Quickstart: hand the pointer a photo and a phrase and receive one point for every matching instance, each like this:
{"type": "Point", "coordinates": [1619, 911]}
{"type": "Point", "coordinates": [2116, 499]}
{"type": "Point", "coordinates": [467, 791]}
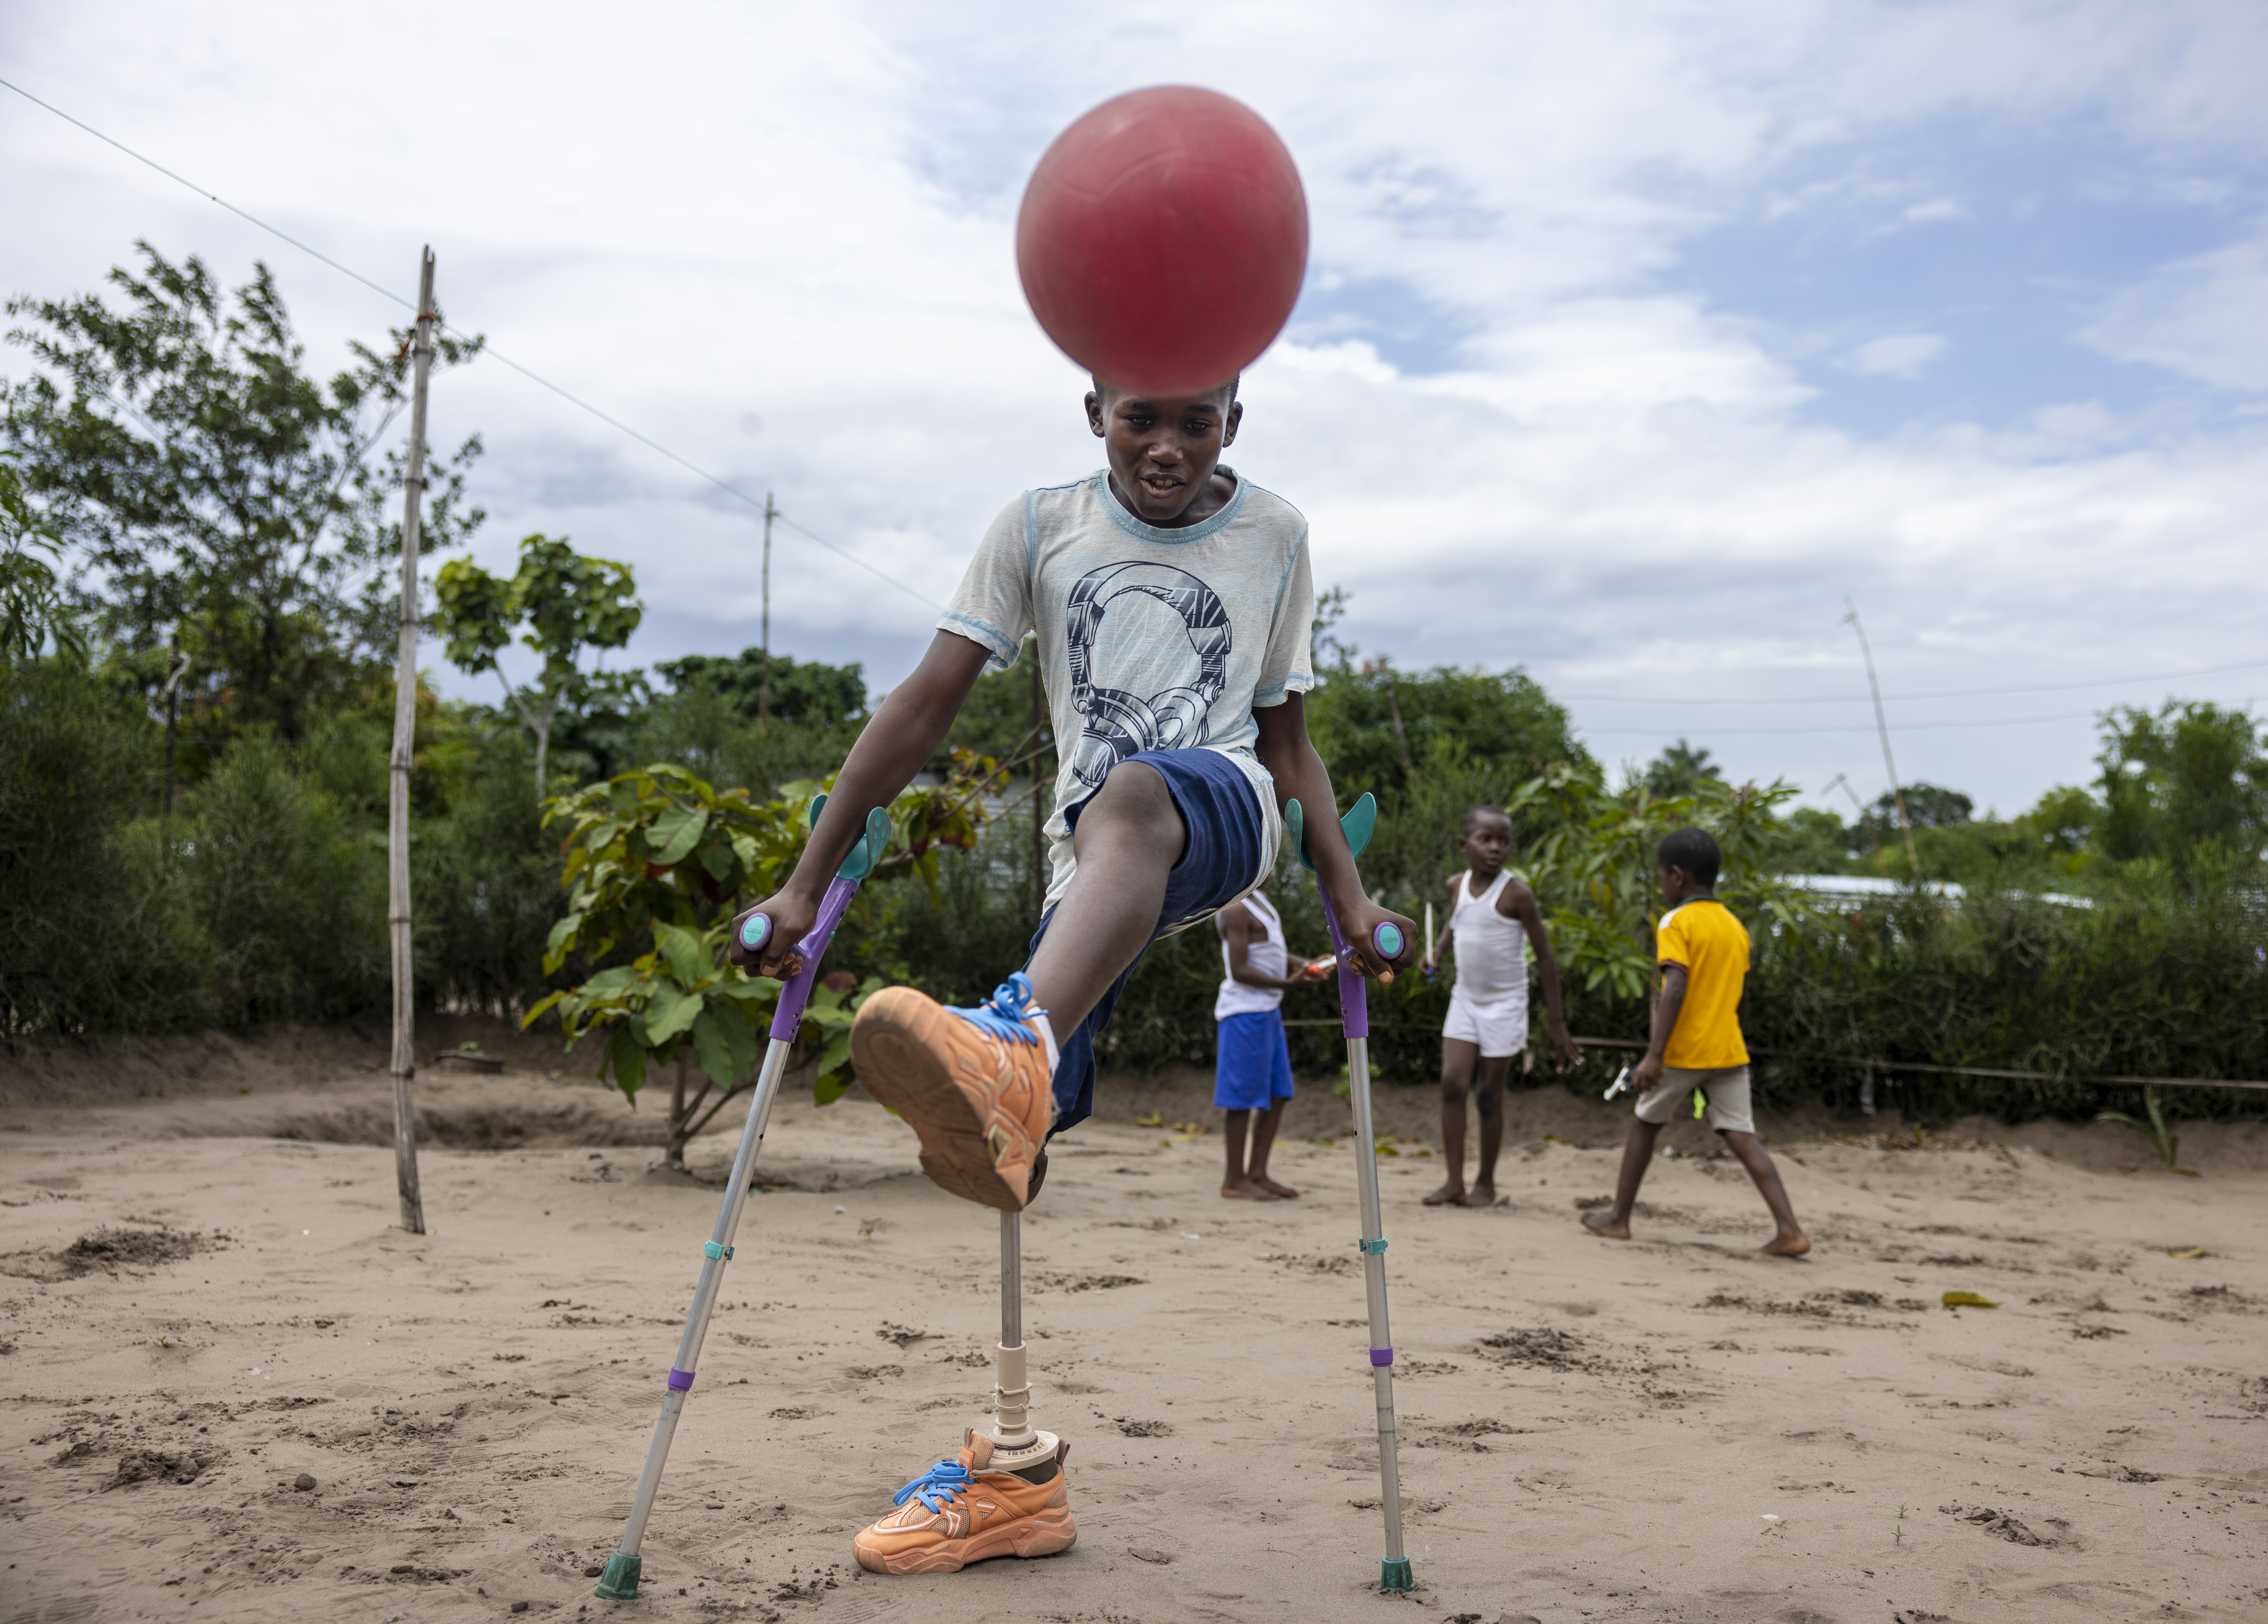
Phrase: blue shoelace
{"type": "Point", "coordinates": [936, 1485]}
{"type": "Point", "coordinates": [1003, 1015]}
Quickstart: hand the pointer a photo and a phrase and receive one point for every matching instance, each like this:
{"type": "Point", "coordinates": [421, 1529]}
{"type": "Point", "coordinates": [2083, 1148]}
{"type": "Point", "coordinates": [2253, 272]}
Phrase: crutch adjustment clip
{"type": "Point", "coordinates": [710, 1248]}
{"type": "Point", "coordinates": [1377, 1245]}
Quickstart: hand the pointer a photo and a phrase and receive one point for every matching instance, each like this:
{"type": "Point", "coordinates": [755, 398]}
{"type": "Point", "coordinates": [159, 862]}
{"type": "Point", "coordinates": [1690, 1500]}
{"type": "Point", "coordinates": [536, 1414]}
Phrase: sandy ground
{"type": "Point", "coordinates": [1589, 1430]}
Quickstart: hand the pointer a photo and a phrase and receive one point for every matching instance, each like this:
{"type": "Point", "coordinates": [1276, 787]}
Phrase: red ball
{"type": "Point", "coordinates": [1163, 239]}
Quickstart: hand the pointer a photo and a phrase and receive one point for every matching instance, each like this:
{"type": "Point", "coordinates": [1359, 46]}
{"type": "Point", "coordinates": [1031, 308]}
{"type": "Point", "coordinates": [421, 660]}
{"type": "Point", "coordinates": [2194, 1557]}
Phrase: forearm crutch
{"type": "Point", "coordinates": [619, 1581]}
{"type": "Point", "coordinates": [1354, 1016]}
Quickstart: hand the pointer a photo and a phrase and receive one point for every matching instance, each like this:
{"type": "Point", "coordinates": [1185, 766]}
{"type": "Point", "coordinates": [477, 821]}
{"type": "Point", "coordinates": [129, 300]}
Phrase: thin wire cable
{"type": "Point", "coordinates": [488, 350]}
{"type": "Point", "coordinates": [1726, 732]}
{"type": "Point", "coordinates": [1943, 693]}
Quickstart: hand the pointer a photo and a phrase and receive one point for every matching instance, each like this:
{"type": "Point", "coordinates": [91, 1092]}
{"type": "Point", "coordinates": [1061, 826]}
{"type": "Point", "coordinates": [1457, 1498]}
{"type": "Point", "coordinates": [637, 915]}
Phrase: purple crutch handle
{"type": "Point", "coordinates": [797, 992]}
{"type": "Point", "coordinates": [1354, 997]}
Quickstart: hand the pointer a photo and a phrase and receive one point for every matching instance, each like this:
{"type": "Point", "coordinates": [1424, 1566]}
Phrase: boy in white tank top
{"type": "Point", "coordinates": [1493, 921]}
{"type": "Point", "coordinates": [1252, 1075]}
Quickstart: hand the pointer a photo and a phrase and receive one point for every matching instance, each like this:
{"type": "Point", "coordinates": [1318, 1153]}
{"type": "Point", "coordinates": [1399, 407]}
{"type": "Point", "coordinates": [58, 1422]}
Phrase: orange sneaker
{"type": "Point", "coordinates": [974, 1084]}
{"type": "Point", "coordinates": [957, 1513]}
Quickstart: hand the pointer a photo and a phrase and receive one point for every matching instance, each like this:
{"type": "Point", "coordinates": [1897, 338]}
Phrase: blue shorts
{"type": "Point", "coordinates": [1255, 1068]}
{"type": "Point", "coordinates": [1220, 809]}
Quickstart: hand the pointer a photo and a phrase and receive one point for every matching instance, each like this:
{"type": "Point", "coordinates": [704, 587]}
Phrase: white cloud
{"type": "Point", "coordinates": [2205, 318]}
{"type": "Point", "coordinates": [1899, 355]}
{"type": "Point", "coordinates": [780, 241]}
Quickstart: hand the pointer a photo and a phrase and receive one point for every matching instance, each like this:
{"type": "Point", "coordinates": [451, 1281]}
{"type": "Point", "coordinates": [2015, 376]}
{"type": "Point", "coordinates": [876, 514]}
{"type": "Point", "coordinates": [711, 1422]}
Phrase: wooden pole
{"type": "Point", "coordinates": [1881, 726]}
{"type": "Point", "coordinates": [764, 695]}
{"type": "Point", "coordinates": [405, 728]}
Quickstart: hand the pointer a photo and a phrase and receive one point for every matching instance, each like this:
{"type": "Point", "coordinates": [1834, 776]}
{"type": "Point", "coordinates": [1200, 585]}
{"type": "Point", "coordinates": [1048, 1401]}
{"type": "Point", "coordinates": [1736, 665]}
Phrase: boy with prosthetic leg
{"type": "Point", "coordinates": [1173, 602]}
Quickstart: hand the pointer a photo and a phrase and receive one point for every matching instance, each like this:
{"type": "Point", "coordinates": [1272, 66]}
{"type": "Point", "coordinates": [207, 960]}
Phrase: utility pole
{"type": "Point", "coordinates": [397, 811]}
{"type": "Point", "coordinates": [764, 695]}
{"type": "Point", "coordinates": [173, 726]}
{"type": "Point", "coordinates": [1883, 726]}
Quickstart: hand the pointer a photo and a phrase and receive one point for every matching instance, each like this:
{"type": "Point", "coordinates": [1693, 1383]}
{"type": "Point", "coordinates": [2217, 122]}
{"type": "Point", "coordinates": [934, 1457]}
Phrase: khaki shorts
{"type": "Point", "coordinates": [1726, 1089]}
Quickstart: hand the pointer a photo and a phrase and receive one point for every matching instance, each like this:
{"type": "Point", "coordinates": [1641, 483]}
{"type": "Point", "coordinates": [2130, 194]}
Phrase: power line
{"type": "Point", "coordinates": [1943, 693]}
{"type": "Point", "coordinates": [1726, 732]}
{"type": "Point", "coordinates": [489, 349]}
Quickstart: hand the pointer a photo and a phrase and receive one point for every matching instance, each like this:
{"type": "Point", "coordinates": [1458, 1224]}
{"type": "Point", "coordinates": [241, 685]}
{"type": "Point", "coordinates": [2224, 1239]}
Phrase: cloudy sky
{"type": "Point", "coordinates": [1637, 337]}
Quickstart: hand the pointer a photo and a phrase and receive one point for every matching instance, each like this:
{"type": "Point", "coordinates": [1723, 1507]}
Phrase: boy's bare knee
{"type": "Point", "coordinates": [1133, 802]}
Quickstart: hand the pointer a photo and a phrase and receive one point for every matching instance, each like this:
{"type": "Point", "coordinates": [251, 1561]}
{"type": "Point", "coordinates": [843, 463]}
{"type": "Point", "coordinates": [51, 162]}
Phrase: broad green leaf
{"type": "Point", "coordinates": [740, 1032]}
{"type": "Point", "coordinates": [674, 834]}
{"type": "Point", "coordinates": [529, 1020]}
{"type": "Point", "coordinates": [628, 1060]}
{"type": "Point", "coordinates": [555, 945]}
{"type": "Point", "coordinates": [668, 1013]}
{"type": "Point", "coordinates": [712, 1048]}
{"type": "Point", "coordinates": [833, 1079]}
{"type": "Point", "coordinates": [689, 959]}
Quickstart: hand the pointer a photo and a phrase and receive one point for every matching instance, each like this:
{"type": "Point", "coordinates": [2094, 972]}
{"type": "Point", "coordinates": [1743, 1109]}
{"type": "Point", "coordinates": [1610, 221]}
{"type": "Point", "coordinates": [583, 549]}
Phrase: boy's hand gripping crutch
{"type": "Point", "coordinates": [619, 1581]}
{"type": "Point", "coordinates": [1354, 1016]}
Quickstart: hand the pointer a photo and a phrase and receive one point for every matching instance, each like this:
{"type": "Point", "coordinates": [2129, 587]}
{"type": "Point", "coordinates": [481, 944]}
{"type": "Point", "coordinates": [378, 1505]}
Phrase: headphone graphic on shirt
{"type": "Point", "coordinates": [1119, 723]}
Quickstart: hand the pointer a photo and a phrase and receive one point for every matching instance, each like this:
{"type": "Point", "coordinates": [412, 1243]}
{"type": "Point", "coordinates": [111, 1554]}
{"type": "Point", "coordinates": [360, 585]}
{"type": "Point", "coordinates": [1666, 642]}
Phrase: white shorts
{"type": "Point", "coordinates": [1726, 1089]}
{"type": "Point", "coordinates": [1499, 1029]}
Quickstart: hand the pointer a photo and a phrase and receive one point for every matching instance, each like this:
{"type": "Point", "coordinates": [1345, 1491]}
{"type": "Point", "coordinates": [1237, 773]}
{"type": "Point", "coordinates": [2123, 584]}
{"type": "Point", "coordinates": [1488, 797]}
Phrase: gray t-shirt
{"type": "Point", "coordinates": [1148, 640]}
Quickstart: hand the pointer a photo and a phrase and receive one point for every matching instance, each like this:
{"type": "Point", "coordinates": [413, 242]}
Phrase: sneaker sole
{"type": "Point", "coordinates": [1042, 1533]}
{"type": "Point", "coordinates": [893, 1050]}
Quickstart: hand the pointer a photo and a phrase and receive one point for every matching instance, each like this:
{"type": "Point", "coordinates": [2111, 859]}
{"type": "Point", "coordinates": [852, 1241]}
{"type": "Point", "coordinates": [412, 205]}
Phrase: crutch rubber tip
{"type": "Point", "coordinates": [756, 930]}
{"type": "Point", "coordinates": [619, 1581]}
{"type": "Point", "coordinates": [1392, 1575]}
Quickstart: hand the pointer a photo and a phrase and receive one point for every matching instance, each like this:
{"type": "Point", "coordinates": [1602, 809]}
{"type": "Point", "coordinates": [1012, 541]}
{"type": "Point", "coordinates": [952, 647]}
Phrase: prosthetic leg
{"type": "Point", "coordinates": [1354, 1015]}
{"type": "Point", "coordinates": [1016, 1443]}
{"type": "Point", "coordinates": [619, 1581]}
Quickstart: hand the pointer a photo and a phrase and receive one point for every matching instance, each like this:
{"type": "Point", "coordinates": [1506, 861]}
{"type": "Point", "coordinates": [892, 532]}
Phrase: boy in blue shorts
{"type": "Point", "coordinates": [1252, 1067]}
{"type": "Point", "coordinates": [1173, 602]}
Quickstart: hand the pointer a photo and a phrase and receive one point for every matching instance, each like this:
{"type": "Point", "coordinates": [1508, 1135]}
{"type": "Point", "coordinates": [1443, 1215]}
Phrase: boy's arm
{"type": "Point", "coordinates": [1236, 925]}
{"type": "Point", "coordinates": [1648, 1071]}
{"type": "Point", "coordinates": [904, 732]}
{"type": "Point", "coordinates": [1285, 750]}
{"type": "Point", "coordinates": [1516, 901]}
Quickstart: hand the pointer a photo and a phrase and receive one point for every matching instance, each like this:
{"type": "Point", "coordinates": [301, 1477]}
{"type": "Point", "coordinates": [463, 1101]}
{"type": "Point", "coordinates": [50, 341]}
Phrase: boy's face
{"type": "Point", "coordinates": [1487, 843]}
{"type": "Point", "coordinates": [1162, 451]}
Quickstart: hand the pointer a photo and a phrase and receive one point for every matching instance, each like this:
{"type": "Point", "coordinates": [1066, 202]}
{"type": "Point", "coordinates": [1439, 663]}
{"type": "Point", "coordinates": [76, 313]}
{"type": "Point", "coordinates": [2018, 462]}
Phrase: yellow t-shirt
{"type": "Point", "coordinates": [1714, 946]}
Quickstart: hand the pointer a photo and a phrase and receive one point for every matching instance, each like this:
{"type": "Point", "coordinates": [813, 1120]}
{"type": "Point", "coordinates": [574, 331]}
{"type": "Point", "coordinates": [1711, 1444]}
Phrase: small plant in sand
{"type": "Point", "coordinates": [658, 856]}
{"type": "Point", "coordinates": [2163, 1139]}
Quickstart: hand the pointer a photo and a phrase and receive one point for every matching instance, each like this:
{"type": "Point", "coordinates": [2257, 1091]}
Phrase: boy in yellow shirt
{"type": "Point", "coordinates": [1704, 952]}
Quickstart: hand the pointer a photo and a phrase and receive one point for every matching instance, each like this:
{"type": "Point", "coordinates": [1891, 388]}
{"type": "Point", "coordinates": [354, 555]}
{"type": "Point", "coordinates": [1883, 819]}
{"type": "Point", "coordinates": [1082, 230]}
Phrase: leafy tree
{"type": "Point", "coordinates": [1679, 771]}
{"type": "Point", "coordinates": [1505, 721]}
{"type": "Point", "coordinates": [213, 489]}
{"type": "Point", "coordinates": [32, 611]}
{"type": "Point", "coordinates": [566, 603]}
{"type": "Point", "coordinates": [1928, 805]}
{"type": "Point", "coordinates": [2173, 781]}
{"type": "Point", "coordinates": [809, 691]}
{"type": "Point", "coordinates": [1595, 867]}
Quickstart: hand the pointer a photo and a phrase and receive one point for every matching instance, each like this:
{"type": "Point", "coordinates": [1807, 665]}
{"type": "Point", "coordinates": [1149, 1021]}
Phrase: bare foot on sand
{"type": "Point", "coordinates": [1607, 1226]}
{"type": "Point", "coordinates": [1450, 1194]}
{"type": "Point", "coordinates": [1282, 1192]}
{"type": "Point", "coordinates": [1482, 1194]}
{"type": "Point", "coordinates": [1244, 1189]}
{"type": "Point", "coordinates": [1792, 1244]}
